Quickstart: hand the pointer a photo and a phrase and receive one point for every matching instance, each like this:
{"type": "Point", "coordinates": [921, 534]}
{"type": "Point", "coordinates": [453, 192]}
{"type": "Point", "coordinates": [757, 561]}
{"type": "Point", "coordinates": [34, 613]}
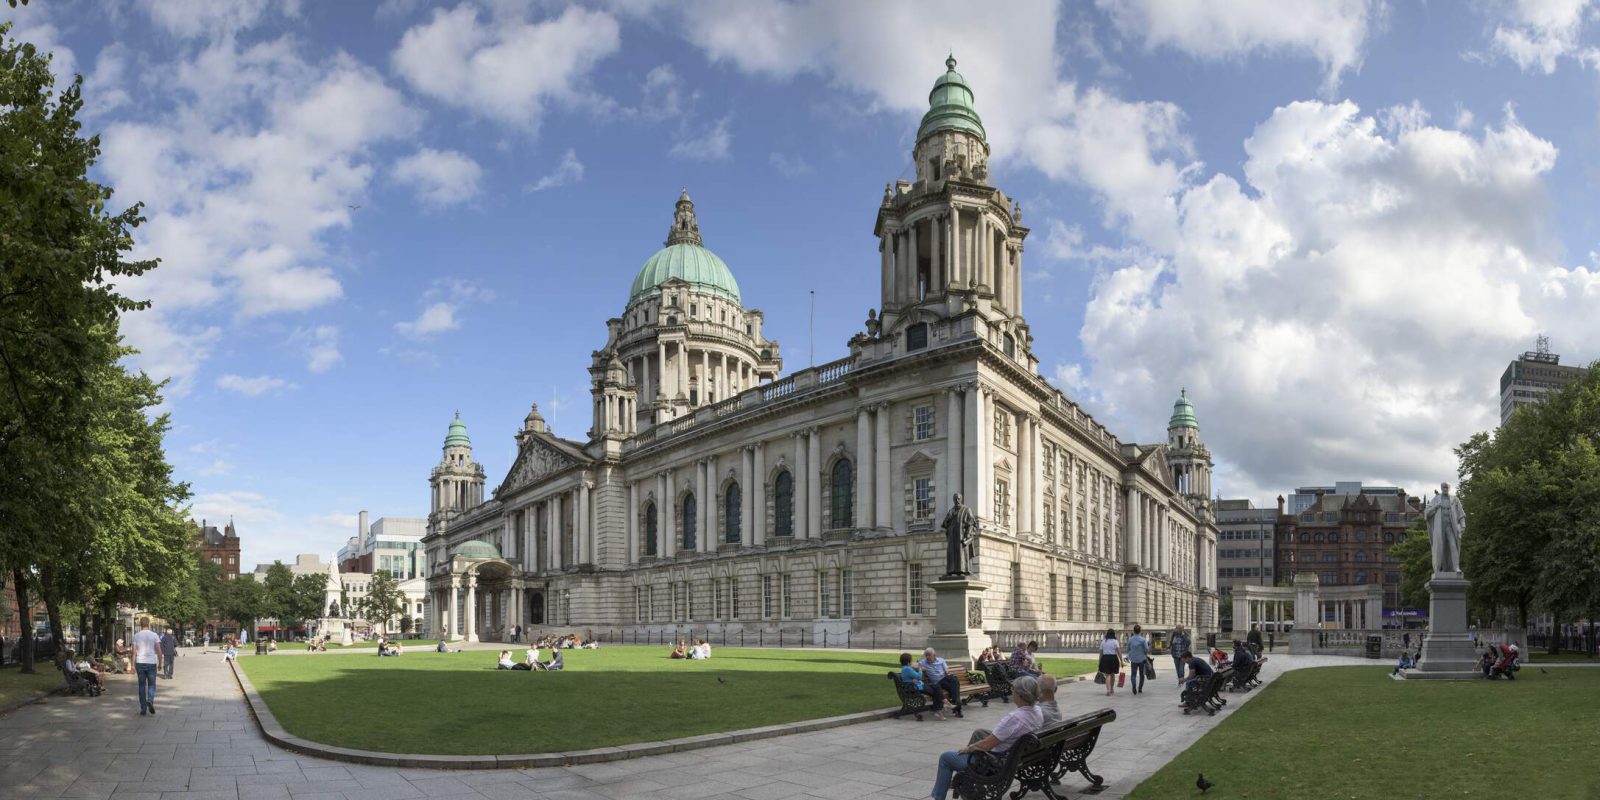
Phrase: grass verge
{"type": "Point", "coordinates": [16, 686]}
{"type": "Point", "coordinates": [459, 704]}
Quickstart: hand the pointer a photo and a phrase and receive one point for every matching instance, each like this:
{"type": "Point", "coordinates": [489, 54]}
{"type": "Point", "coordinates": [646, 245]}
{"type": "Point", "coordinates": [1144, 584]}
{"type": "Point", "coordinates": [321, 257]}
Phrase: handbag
{"type": "Point", "coordinates": [1100, 677]}
{"type": "Point", "coordinates": [1149, 668]}
{"type": "Point", "coordinates": [1122, 678]}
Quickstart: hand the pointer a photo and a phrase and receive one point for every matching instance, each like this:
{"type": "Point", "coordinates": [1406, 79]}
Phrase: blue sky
{"type": "Point", "coordinates": [1334, 222]}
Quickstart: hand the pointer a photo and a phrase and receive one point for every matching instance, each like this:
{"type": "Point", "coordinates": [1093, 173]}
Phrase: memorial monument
{"type": "Point", "coordinates": [958, 599]}
{"type": "Point", "coordinates": [1447, 652]}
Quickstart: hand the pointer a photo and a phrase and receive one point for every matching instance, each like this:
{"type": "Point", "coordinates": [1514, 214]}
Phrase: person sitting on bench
{"type": "Point", "coordinates": [1024, 719]}
{"type": "Point", "coordinates": [911, 676]}
{"type": "Point", "coordinates": [1199, 670]}
{"type": "Point", "coordinates": [936, 671]}
{"type": "Point", "coordinates": [71, 666]}
{"type": "Point", "coordinates": [1022, 663]}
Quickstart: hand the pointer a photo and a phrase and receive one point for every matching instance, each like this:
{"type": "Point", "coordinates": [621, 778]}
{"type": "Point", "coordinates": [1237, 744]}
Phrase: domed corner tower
{"type": "Point", "coordinates": [456, 484]}
{"type": "Point", "coordinates": [1187, 456]}
{"type": "Point", "coordinates": [684, 340]}
{"type": "Point", "coordinates": [950, 242]}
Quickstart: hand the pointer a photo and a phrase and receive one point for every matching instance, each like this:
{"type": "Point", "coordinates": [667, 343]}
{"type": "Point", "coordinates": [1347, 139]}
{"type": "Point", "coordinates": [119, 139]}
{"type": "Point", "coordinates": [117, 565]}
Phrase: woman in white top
{"type": "Point", "coordinates": [505, 660]}
{"type": "Point", "coordinates": [1110, 660]}
{"type": "Point", "coordinates": [531, 657]}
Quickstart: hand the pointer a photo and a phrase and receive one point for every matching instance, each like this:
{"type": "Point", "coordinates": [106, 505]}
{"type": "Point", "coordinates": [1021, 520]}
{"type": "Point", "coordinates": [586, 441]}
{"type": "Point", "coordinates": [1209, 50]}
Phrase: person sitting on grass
{"type": "Point", "coordinates": [530, 656]}
{"type": "Point", "coordinates": [1024, 719]}
{"type": "Point", "coordinates": [505, 660]}
{"type": "Point", "coordinates": [555, 663]}
{"type": "Point", "coordinates": [594, 644]}
{"type": "Point", "coordinates": [911, 675]}
{"type": "Point", "coordinates": [441, 648]}
{"type": "Point", "coordinates": [680, 651]}
{"type": "Point", "coordinates": [1403, 663]}
{"type": "Point", "coordinates": [701, 650]}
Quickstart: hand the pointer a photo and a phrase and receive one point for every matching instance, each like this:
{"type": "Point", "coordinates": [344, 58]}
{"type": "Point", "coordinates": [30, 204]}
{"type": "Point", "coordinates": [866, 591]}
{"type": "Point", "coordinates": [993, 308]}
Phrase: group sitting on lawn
{"type": "Point", "coordinates": [530, 660]}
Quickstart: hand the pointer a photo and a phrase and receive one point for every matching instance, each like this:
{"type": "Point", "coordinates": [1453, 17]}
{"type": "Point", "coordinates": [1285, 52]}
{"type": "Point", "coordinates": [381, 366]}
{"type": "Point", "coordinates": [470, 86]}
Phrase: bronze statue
{"type": "Point", "coordinates": [960, 537]}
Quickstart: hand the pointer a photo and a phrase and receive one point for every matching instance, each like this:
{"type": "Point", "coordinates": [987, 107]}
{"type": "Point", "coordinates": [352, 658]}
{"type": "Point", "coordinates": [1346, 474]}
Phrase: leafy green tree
{"type": "Point", "coordinates": [383, 602]}
{"type": "Point", "coordinates": [245, 601]}
{"type": "Point", "coordinates": [1415, 553]}
{"type": "Point", "coordinates": [405, 624]}
{"type": "Point", "coordinates": [306, 597]}
{"type": "Point", "coordinates": [278, 592]}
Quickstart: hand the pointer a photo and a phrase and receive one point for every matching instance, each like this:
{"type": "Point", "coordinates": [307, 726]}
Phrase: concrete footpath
{"type": "Point", "coordinates": [203, 745]}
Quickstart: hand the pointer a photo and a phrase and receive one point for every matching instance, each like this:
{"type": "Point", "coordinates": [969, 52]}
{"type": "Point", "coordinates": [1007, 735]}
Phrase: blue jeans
{"type": "Point", "coordinates": [147, 684]}
{"type": "Point", "coordinates": [1138, 675]}
{"type": "Point", "coordinates": [949, 762]}
{"type": "Point", "coordinates": [1177, 664]}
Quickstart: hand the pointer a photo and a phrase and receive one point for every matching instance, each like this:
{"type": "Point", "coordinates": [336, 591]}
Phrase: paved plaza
{"type": "Point", "coordinates": [203, 745]}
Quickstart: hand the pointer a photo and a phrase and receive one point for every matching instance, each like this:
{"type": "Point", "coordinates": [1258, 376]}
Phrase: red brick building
{"type": "Point", "coordinates": [1346, 538]}
{"type": "Point", "coordinates": [220, 547]}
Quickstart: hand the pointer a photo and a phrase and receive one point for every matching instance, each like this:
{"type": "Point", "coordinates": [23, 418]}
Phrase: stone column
{"type": "Point", "coordinates": [936, 275]}
{"type": "Point", "coordinates": [985, 467]}
{"type": "Point", "coordinates": [669, 540]}
{"type": "Point", "coordinates": [633, 522]}
{"type": "Point", "coordinates": [1130, 521]}
{"type": "Point", "coordinates": [451, 628]}
{"type": "Point", "coordinates": [705, 473]}
{"type": "Point", "coordinates": [913, 268]}
{"type": "Point", "coordinates": [864, 460]}
{"type": "Point", "coordinates": [813, 480]}
{"type": "Point", "coordinates": [663, 512]}
{"type": "Point", "coordinates": [556, 522]}
{"type": "Point", "coordinates": [1035, 493]}
{"type": "Point", "coordinates": [947, 477]}
{"type": "Point", "coordinates": [882, 472]}
{"type": "Point", "coordinates": [705, 377]}
{"type": "Point", "coordinates": [472, 608]}
{"type": "Point", "coordinates": [746, 495]}
{"type": "Point", "coordinates": [886, 272]}
{"type": "Point", "coordinates": [953, 231]}
{"type": "Point", "coordinates": [802, 485]}
{"type": "Point", "coordinates": [980, 235]}
{"type": "Point", "coordinates": [972, 430]}
{"type": "Point", "coordinates": [661, 367]}
{"type": "Point", "coordinates": [758, 504]}
{"type": "Point", "coordinates": [584, 547]}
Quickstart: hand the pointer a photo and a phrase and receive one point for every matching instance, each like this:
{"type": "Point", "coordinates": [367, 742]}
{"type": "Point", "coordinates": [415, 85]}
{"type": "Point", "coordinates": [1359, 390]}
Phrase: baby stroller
{"type": "Point", "coordinates": [1507, 663]}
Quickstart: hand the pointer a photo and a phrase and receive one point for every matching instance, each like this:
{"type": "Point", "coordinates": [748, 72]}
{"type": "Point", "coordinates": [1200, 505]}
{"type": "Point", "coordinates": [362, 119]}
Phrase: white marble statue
{"type": "Point", "coordinates": [1447, 520]}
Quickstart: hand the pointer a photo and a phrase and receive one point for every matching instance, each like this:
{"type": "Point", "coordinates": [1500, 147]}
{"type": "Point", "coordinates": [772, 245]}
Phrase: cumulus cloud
{"type": "Point", "coordinates": [436, 318]}
{"type": "Point", "coordinates": [789, 166]}
{"type": "Point", "coordinates": [505, 68]}
{"type": "Point", "coordinates": [1331, 31]}
{"type": "Point", "coordinates": [1346, 311]}
{"type": "Point", "coordinates": [713, 142]}
{"type": "Point", "coordinates": [254, 386]}
{"type": "Point", "coordinates": [320, 344]}
{"type": "Point", "coordinates": [1537, 34]}
{"type": "Point", "coordinates": [569, 171]}
{"type": "Point", "coordinates": [195, 18]}
{"type": "Point", "coordinates": [439, 178]}
{"type": "Point", "coordinates": [441, 302]}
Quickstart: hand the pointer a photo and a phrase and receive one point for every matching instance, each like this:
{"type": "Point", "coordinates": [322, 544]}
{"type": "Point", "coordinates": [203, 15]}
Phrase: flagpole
{"type": "Point", "coordinates": [813, 333]}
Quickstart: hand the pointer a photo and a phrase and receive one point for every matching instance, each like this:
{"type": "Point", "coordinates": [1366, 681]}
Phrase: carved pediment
{"type": "Point", "coordinates": [535, 461]}
{"type": "Point", "coordinates": [1157, 464]}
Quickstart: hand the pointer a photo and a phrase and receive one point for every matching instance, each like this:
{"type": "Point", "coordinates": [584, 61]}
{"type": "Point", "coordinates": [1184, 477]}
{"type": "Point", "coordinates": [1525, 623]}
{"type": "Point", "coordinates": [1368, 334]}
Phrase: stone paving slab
{"type": "Point", "coordinates": [202, 744]}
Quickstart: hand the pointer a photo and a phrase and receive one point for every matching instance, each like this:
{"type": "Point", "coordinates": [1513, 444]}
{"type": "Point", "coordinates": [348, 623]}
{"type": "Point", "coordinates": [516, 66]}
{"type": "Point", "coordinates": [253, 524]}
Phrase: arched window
{"type": "Point", "coordinates": [1305, 537]}
{"type": "Point", "coordinates": [1388, 536]}
{"type": "Point", "coordinates": [1333, 538]}
{"type": "Point", "coordinates": [730, 510]}
{"type": "Point", "coordinates": [783, 505]}
{"type": "Point", "coordinates": [1361, 578]}
{"type": "Point", "coordinates": [1009, 346]}
{"type": "Point", "coordinates": [1361, 556]}
{"type": "Point", "coordinates": [650, 529]}
{"type": "Point", "coordinates": [1317, 538]}
{"type": "Point", "coordinates": [842, 513]}
{"type": "Point", "coordinates": [689, 515]}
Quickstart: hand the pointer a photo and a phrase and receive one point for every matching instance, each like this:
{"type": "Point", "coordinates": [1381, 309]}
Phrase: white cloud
{"type": "Point", "coordinates": [1345, 312]}
{"type": "Point", "coordinates": [204, 18]}
{"type": "Point", "coordinates": [1331, 31]}
{"type": "Point", "coordinates": [252, 387]}
{"type": "Point", "coordinates": [569, 171]}
{"type": "Point", "coordinates": [506, 69]}
{"type": "Point", "coordinates": [217, 468]}
{"type": "Point", "coordinates": [1537, 34]}
{"type": "Point", "coordinates": [711, 143]}
{"type": "Point", "coordinates": [789, 166]}
{"type": "Point", "coordinates": [439, 177]}
{"type": "Point", "coordinates": [436, 318]}
{"type": "Point", "coordinates": [320, 345]}
{"type": "Point", "coordinates": [33, 24]}
{"type": "Point", "coordinates": [254, 166]}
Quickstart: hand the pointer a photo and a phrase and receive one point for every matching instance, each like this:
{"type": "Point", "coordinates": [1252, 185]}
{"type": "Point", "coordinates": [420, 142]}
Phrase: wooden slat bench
{"type": "Point", "coordinates": [1037, 761]}
{"type": "Point", "coordinates": [915, 703]}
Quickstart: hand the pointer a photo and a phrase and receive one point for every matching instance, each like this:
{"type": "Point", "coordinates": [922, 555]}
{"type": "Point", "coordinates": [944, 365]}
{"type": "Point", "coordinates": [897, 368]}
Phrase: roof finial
{"type": "Point", "coordinates": [950, 61]}
{"type": "Point", "coordinates": [1183, 392]}
{"type": "Point", "coordinates": [685, 229]}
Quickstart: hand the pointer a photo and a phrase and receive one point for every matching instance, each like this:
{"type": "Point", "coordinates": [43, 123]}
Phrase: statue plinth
{"type": "Point", "coordinates": [958, 622]}
{"type": "Point", "coordinates": [1447, 652]}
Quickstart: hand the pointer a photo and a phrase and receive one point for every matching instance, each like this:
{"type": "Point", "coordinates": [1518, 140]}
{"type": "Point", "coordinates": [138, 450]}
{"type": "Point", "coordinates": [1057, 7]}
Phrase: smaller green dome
{"type": "Point", "coordinates": [458, 433]}
{"type": "Point", "coordinates": [475, 549]}
{"type": "Point", "coordinates": [1183, 412]}
{"type": "Point", "coordinates": [951, 105]}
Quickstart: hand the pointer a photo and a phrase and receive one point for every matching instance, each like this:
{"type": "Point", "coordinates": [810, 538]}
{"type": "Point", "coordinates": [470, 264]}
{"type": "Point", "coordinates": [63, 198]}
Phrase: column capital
{"type": "Point", "coordinates": [759, 447]}
{"type": "Point", "coordinates": [881, 405]}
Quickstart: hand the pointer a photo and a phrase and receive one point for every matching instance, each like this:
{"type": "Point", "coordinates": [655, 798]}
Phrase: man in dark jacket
{"type": "Point", "coordinates": [1253, 638]}
{"type": "Point", "coordinates": [169, 651]}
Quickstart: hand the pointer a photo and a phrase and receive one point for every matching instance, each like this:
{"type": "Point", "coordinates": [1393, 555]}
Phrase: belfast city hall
{"type": "Point", "coordinates": [716, 492]}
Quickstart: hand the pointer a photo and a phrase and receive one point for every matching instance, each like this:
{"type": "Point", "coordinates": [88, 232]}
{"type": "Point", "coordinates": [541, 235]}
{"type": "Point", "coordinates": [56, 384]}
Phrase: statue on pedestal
{"type": "Point", "coordinates": [333, 609]}
{"type": "Point", "coordinates": [960, 536]}
{"type": "Point", "coordinates": [1447, 520]}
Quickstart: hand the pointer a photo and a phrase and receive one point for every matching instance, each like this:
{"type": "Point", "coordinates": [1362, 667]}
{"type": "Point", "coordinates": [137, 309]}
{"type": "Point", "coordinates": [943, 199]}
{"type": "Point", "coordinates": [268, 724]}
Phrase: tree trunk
{"type": "Point", "coordinates": [52, 611]}
{"type": "Point", "coordinates": [25, 619]}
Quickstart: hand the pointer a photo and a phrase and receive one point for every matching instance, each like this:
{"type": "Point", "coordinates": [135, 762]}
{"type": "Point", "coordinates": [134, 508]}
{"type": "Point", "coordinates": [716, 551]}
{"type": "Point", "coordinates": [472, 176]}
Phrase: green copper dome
{"type": "Point", "coordinates": [686, 258]}
{"type": "Point", "coordinates": [691, 263]}
{"type": "Point", "coordinates": [1183, 413]}
{"type": "Point", "coordinates": [475, 549]}
{"type": "Point", "coordinates": [458, 433]}
{"type": "Point", "coordinates": [950, 105]}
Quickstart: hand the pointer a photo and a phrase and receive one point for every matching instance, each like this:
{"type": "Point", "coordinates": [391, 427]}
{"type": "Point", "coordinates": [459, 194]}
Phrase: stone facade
{"type": "Point", "coordinates": [713, 493]}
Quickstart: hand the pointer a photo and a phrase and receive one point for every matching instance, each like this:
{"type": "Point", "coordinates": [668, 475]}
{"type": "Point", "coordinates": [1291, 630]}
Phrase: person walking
{"type": "Point", "coordinates": [1180, 645]}
{"type": "Point", "coordinates": [146, 660]}
{"type": "Point", "coordinates": [1138, 658]}
{"type": "Point", "coordinates": [1110, 660]}
{"type": "Point", "coordinates": [169, 652]}
{"type": "Point", "coordinates": [1253, 638]}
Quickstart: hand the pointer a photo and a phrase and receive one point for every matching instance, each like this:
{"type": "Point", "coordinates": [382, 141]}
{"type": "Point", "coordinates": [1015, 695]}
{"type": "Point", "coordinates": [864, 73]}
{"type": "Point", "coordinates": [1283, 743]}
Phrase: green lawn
{"type": "Point", "coordinates": [251, 647]}
{"type": "Point", "coordinates": [1563, 656]}
{"type": "Point", "coordinates": [15, 686]}
{"type": "Point", "coordinates": [1351, 732]}
{"type": "Point", "coordinates": [459, 704]}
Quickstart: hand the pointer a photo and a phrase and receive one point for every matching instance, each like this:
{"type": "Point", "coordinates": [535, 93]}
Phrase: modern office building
{"type": "Point", "coordinates": [1244, 544]}
{"type": "Point", "coordinates": [390, 543]}
{"type": "Point", "coordinates": [1529, 378]}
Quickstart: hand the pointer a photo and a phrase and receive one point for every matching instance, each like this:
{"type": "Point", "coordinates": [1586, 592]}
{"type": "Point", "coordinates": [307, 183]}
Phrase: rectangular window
{"type": "Point", "coordinates": [824, 598]}
{"type": "Point", "coordinates": [675, 599]}
{"type": "Point", "coordinates": [913, 589]}
{"type": "Point", "coordinates": [923, 507]}
{"type": "Point", "coordinates": [767, 597]}
{"type": "Point", "coordinates": [788, 605]}
{"type": "Point", "coordinates": [1016, 589]}
{"type": "Point", "coordinates": [638, 604]}
{"type": "Point", "coordinates": [1002, 501]}
{"type": "Point", "coordinates": [1002, 430]}
{"type": "Point", "coordinates": [847, 594]}
{"type": "Point", "coordinates": [922, 422]}
{"type": "Point", "coordinates": [719, 600]}
{"type": "Point", "coordinates": [733, 598]}
{"type": "Point", "coordinates": [1055, 596]}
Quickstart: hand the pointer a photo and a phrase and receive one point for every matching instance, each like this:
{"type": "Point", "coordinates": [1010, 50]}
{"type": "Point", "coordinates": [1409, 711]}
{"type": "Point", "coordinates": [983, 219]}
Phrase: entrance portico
{"type": "Point", "coordinates": [480, 597]}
